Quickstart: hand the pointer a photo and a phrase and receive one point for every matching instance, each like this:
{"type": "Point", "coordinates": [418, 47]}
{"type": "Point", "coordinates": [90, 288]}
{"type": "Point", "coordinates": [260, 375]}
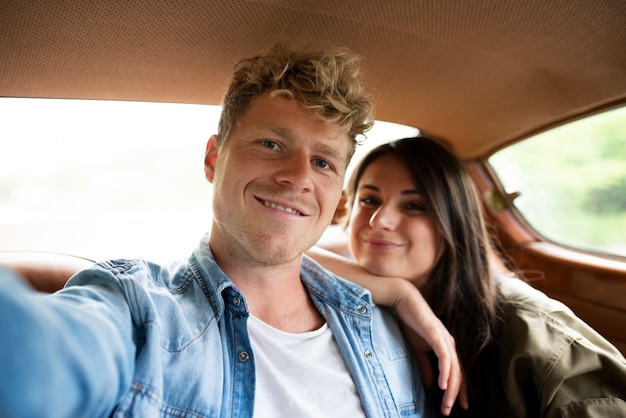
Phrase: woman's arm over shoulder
{"type": "Point", "coordinates": [414, 311]}
{"type": "Point", "coordinates": [63, 354]}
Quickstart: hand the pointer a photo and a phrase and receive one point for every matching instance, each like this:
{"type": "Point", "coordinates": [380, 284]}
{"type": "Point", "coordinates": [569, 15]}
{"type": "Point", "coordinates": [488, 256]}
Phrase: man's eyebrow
{"type": "Point", "coordinates": [333, 153]}
{"type": "Point", "coordinates": [323, 148]}
{"type": "Point", "coordinates": [277, 130]}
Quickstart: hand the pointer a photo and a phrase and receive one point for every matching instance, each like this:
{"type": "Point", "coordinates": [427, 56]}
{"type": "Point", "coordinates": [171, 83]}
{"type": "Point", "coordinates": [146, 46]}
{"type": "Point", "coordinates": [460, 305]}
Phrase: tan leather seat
{"type": "Point", "coordinates": [46, 272]}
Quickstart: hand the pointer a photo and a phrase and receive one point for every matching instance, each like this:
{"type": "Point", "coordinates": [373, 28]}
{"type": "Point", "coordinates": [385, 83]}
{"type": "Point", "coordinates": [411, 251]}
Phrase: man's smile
{"type": "Point", "coordinates": [278, 206]}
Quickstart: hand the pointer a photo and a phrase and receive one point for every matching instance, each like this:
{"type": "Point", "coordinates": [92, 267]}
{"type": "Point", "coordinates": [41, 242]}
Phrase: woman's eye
{"type": "Point", "coordinates": [368, 201]}
{"type": "Point", "coordinates": [415, 207]}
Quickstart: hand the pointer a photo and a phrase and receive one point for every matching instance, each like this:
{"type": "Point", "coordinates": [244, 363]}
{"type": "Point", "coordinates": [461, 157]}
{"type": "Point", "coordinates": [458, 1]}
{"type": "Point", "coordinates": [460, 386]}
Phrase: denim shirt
{"type": "Point", "coordinates": [146, 340]}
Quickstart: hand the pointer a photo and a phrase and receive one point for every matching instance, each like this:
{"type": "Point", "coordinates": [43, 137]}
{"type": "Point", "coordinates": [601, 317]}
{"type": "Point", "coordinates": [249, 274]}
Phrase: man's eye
{"type": "Point", "coordinates": [270, 144]}
{"type": "Point", "coordinates": [321, 164]}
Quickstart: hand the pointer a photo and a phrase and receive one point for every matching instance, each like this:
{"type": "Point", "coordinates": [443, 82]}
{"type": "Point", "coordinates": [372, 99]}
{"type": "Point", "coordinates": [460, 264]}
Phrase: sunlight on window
{"type": "Point", "coordinates": [106, 179]}
{"type": "Point", "coordinates": [103, 179]}
{"type": "Point", "coordinates": [572, 182]}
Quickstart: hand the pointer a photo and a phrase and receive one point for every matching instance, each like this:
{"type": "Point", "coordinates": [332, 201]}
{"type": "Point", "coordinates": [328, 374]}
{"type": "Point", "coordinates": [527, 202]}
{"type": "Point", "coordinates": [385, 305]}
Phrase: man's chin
{"type": "Point", "coordinates": [278, 259]}
{"type": "Point", "coordinates": [275, 254]}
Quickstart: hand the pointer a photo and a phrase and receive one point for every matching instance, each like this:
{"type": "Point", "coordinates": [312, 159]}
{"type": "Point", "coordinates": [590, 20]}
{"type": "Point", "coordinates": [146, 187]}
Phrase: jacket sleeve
{"type": "Point", "coordinates": [588, 380]}
{"type": "Point", "coordinates": [64, 354]}
{"type": "Point", "coordinates": [557, 365]}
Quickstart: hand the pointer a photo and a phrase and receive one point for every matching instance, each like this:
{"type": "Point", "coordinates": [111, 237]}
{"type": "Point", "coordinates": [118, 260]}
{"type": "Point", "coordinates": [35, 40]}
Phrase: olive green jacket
{"type": "Point", "coordinates": [551, 363]}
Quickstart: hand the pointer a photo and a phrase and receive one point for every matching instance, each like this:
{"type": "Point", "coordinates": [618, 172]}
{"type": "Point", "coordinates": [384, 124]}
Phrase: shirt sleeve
{"type": "Point", "coordinates": [64, 354]}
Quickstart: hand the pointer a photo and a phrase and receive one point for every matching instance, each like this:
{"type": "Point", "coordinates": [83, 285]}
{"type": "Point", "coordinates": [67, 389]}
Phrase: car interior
{"type": "Point", "coordinates": [484, 75]}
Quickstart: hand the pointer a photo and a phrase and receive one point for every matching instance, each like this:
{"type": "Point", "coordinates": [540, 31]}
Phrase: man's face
{"type": "Point", "coordinates": [277, 180]}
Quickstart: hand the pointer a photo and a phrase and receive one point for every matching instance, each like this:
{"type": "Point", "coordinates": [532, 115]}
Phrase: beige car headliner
{"type": "Point", "coordinates": [479, 73]}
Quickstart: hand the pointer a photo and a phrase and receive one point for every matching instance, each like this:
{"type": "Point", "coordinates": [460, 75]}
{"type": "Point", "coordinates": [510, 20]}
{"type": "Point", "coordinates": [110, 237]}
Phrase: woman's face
{"type": "Point", "coordinates": [391, 234]}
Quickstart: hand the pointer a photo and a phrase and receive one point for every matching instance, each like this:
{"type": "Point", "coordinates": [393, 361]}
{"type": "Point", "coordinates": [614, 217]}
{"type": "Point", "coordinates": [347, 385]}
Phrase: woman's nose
{"type": "Point", "coordinates": [384, 218]}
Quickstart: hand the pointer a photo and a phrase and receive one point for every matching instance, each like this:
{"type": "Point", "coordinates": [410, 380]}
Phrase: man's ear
{"type": "Point", "coordinates": [210, 156]}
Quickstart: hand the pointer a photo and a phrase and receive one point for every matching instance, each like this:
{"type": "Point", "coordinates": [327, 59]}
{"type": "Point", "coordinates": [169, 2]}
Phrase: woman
{"type": "Point", "coordinates": [413, 213]}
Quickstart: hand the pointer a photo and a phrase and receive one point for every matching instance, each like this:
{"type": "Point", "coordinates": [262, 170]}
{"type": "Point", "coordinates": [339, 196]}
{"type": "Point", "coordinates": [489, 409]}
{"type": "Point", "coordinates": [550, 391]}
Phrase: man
{"type": "Point", "coordinates": [245, 326]}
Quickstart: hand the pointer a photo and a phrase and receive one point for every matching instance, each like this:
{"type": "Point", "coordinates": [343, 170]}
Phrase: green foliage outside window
{"type": "Point", "coordinates": [572, 182]}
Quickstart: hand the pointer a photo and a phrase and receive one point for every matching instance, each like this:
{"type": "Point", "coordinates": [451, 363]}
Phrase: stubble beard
{"type": "Point", "coordinates": [269, 246]}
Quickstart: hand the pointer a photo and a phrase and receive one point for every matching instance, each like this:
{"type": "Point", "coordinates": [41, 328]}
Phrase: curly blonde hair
{"type": "Point", "coordinates": [325, 81]}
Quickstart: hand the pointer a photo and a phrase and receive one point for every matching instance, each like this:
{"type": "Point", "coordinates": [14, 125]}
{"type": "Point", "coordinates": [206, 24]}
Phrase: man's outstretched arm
{"type": "Point", "coordinates": [62, 354]}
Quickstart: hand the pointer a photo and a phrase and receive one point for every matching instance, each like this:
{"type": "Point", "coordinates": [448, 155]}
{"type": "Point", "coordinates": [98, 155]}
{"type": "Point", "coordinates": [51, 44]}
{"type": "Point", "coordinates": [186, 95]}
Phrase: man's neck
{"type": "Point", "coordinates": [290, 310]}
{"type": "Point", "coordinates": [276, 295]}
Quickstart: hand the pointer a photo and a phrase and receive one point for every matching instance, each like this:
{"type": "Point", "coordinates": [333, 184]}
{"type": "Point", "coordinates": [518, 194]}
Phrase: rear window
{"type": "Point", "coordinates": [106, 179]}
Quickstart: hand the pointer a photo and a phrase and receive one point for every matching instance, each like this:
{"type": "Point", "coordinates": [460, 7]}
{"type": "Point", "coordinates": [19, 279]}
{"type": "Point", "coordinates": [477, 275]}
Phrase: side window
{"type": "Point", "coordinates": [572, 182]}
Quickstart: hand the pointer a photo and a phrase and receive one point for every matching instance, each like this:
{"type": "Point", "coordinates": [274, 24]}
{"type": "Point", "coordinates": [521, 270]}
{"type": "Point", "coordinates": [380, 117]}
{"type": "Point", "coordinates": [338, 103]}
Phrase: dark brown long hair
{"type": "Point", "coordinates": [460, 289]}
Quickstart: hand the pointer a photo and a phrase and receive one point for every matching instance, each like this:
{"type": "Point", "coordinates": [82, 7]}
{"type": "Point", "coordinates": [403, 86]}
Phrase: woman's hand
{"type": "Point", "coordinates": [425, 332]}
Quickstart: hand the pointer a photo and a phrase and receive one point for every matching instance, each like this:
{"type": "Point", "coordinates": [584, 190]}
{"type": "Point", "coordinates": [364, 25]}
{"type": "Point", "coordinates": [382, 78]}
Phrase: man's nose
{"type": "Point", "coordinates": [296, 172]}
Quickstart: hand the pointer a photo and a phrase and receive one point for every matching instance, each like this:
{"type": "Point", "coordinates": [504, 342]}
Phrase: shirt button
{"type": "Point", "coordinates": [369, 354]}
{"type": "Point", "coordinates": [244, 356]}
{"type": "Point", "coordinates": [362, 309]}
{"type": "Point", "coordinates": [237, 301]}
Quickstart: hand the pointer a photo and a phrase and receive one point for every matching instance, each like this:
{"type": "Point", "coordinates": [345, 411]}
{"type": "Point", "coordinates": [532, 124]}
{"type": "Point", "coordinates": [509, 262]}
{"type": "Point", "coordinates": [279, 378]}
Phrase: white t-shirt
{"type": "Point", "coordinates": [300, 375]}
